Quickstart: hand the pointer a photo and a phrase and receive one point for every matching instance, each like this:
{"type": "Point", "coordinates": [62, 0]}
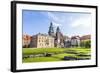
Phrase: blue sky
{"type": "Point", "coordinates": [70, 23]}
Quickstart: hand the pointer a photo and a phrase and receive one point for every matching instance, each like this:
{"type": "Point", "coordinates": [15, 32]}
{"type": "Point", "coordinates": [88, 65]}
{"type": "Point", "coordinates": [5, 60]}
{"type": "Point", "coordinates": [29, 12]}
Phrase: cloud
{"type": "Point", "coordinates": [84, 22]}
{"type": "Point", "coordinates": [52, 16]}
{"type": "Point", "coordinates": [70, 19]}
{"type": "Point", "coordinates": [56, 24]}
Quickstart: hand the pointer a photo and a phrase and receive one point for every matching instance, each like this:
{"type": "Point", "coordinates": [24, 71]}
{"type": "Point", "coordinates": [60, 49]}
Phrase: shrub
{"type": "Point", "coordinates": [85, 43]}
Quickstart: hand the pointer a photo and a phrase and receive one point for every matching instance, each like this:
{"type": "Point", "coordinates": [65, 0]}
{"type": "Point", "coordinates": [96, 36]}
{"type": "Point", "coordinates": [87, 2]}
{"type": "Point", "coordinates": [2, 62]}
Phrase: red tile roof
{"type": "Point", "coordinates": [27, 37]}
{"type": "Point", "coordinates": [85, 37]}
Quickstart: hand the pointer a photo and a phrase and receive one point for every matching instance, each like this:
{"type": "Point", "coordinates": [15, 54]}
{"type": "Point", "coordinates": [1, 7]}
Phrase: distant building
{"type": "Point", "coordinates": [53, 39]}
{"type": "Point", "coordinates": [67, 42]}
{"type": "Point", "coordinates": [58, 36]}
{"type": "Point", "coordinates": [85, 37]}
{"type": "Point", "coordinates": [26, 41]}
{"type": "Point", "coordinates": [59, 39]}
{"type": "Point", "coordinates": [75, 41]}
{"type": "Point", "coordinates": [42, 41]}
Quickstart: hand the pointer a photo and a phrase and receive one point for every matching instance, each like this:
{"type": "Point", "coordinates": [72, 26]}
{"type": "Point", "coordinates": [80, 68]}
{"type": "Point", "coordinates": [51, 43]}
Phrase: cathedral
{"type": "Point", "coordinates": [50, 40]}
{"type": "Point", "coordinates": [58, 36]}
{"type": "Point", "coordinates": [54, 38]}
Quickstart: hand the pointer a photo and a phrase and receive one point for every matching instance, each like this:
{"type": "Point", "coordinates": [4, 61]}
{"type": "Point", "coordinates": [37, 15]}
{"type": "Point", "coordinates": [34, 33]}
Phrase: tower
{"type": "Point", "coordinates": [57, 39]}
{"type": "Point", "coordinates": [58, 33]}
{"type": "Point", "coordinates": [51, 30]}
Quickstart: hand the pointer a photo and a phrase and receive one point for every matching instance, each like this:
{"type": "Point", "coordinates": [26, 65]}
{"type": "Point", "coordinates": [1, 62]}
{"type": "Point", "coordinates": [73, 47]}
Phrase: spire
{"type": "Point", "coordinates": [58, 29]}
{"type": "Point", "coordinates": [51, 25]}
{"type": "Point", "coordinates": [58, 32]}
{"type": "Point", "coordinates": [51, 30]}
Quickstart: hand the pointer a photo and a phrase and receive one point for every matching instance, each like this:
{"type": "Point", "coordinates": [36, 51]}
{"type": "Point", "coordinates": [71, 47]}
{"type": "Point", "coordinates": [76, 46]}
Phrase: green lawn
{"type": "Point", "coordinates": [41, 59]}
{"type": "Point", "coordinates": [58, 54]}
{"type": "Point", "coordinates": [42, 50]}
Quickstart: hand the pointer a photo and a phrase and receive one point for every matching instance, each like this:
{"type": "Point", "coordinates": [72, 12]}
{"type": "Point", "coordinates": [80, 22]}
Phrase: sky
{"type": "Point", "coordinates": [70, 23]}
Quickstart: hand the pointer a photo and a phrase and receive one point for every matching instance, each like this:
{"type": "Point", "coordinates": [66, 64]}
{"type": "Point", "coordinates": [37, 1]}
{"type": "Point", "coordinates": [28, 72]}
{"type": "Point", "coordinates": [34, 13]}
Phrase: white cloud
{"type": "Point", "coordinates": [56, 24]}
{"type": "Point", "coordinates": [52, 16]}
{"type": "Point", "coordinates": [84, 22]}
{"type": "Point", "coordinates": [70, 18]}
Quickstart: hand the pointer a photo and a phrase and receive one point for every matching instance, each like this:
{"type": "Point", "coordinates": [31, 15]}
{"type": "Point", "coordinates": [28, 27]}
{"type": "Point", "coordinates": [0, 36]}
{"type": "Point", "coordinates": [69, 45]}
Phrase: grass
{"type": "Point", "coordinates": [41, 59]}
{"type": "Point", "coordinates": [41, 50]}
{"type": "Point", "coordinates": [58, 54]}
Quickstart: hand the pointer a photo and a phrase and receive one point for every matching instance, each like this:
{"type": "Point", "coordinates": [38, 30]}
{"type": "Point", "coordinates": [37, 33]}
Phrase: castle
{"type": "Point", "coordinates": [58, 36]}
{"type": "Point", "coordinates": [51, 40]}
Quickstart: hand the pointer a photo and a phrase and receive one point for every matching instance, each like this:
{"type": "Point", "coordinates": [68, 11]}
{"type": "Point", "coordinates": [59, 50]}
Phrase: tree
{"type": "Point", "coordinates": [85, 43]}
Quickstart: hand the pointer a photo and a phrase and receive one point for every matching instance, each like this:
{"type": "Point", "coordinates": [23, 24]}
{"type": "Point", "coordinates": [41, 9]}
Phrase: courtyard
{"type": "Point", "coordinates": [55, 54]}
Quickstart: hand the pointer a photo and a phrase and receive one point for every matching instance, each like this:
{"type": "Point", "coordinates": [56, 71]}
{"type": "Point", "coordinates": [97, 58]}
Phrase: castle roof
{"type": "Point", "coordinates": [75, 37]}
{"type": "Point", "coordinates": [85, 37]}
{"type": "Point", "coordinates": [40, 34]}
{"type": "Point", "coordinates": [27, 37]}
